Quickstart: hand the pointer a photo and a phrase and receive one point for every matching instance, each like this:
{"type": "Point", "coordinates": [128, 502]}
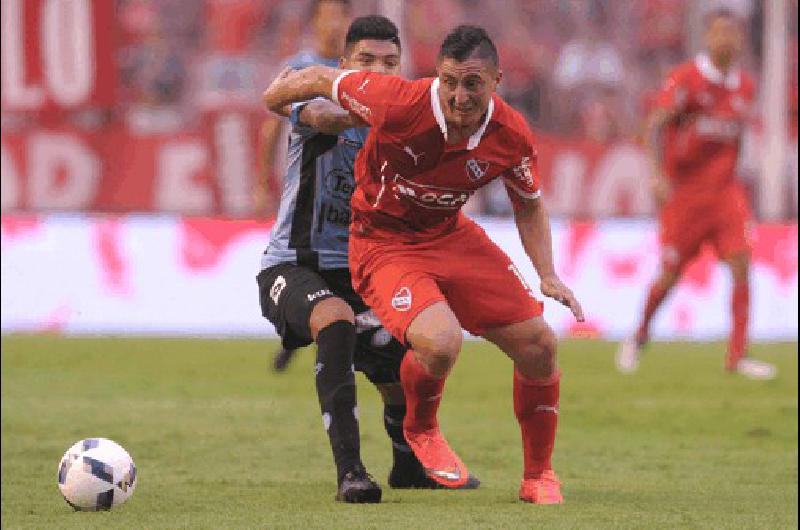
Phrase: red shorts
{"type": "Point", "coordinates": [722, 222]}
{"type": "Point", "coordinates": [464, 268]}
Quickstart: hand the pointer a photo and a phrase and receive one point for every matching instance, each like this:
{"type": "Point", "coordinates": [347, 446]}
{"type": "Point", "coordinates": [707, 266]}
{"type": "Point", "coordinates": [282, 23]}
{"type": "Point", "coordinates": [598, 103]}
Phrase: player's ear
{"type": "Point", "coordinates": [498, 77]}
{"type": "Point", "coordinates": [342, 61]}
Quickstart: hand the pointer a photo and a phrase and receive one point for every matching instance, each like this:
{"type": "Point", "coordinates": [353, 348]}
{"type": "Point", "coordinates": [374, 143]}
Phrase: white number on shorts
{"type": "Point", "coordinates": [513, 268]}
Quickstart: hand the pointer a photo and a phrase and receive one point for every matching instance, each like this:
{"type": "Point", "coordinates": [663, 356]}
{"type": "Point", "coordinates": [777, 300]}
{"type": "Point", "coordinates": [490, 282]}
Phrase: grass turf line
{"type": "Point", "coordinates": [222, 442]}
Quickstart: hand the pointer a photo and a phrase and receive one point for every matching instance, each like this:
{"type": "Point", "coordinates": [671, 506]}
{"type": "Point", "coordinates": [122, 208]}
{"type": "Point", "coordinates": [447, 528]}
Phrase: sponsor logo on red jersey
{"type": "Point", "coordinates": [356, 106]}
{"type": "Point", "coordinates": [431, 197]}
{"type": "Point", "coordinates": [716, 128]}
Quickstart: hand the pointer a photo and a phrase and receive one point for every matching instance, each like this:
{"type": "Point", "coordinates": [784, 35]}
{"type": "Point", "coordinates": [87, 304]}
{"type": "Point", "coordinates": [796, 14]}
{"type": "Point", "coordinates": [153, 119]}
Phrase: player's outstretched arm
{"type": "Point", "coordinates": [302, 85]}
{"type": "Point", "coordinates": [327, 117]}
{"type": "Point", "coordinates": [533, 225]}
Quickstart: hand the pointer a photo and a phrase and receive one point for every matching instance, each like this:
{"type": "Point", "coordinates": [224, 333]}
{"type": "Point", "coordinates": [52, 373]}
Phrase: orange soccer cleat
{"type": "Point", "coordinates": [441, 463]}
{"type": "Point", "coordinates": [544, 489]}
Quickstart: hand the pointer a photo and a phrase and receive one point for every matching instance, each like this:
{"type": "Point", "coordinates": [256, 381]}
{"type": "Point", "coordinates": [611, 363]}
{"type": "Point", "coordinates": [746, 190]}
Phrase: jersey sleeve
{"type": "Point", "coordinates": [298, 127]}
{"type": "Point", "coordinates": [370, 96]}
{"type": "Point", "coordinates": [674, 94]}
{"type": "Point", "coordinates": [522, 180]}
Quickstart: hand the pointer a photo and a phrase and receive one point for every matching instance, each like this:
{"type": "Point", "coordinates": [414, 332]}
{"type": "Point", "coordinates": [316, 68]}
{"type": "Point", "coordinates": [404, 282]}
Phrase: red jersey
{"type": "Point", "coordinates": [701, 148]}
{"type": "Point", "coordinates": [411, 184]}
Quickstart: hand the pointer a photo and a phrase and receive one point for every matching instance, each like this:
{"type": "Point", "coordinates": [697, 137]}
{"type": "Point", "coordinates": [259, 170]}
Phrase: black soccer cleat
{"type": "Point", "coordinates": [282, 359]}
{"type": "Point", "coordinates": [404, 476]}
{"type": "Point", "coordinates": [358, 486]}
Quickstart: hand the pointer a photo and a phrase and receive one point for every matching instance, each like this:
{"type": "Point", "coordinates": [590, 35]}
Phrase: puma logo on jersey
{"type": "Point", "coordinates": [363, 85]}
{"type": "Point", "coordinates": [408, 150]}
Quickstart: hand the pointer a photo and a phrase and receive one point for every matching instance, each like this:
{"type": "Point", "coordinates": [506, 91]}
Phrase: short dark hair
{"type": "Point", "coordinates": [374, 27]}
{"type": "Point", "coordinates": [719, 12]}
{"type": "Point", "coordinates": [467, 41]}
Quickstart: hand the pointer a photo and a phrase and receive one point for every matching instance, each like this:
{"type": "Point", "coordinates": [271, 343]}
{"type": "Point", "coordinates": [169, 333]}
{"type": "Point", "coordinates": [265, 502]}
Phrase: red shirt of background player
{"type": "Point", "coordinates": [701, 146]}
{"type": "Point", "coordinates": [411, 184]}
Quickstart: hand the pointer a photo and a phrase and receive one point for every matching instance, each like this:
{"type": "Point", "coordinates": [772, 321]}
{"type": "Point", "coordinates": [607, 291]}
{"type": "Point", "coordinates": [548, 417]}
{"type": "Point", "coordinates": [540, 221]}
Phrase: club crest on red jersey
{"type": "Point", "coordinates": [476, 169]}
{"type": "Point", "coordinates": [401, 301]}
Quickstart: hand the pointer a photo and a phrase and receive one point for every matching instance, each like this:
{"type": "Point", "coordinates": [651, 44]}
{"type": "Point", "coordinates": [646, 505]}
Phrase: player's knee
{"type": "Point", "coordinates": [537, 358]}
{"type": "Point", "coordinates": [327, 312]}
{"type": "Point", "coordinates": [545, 351]}
{"type": "Point", "coordinates": [439, 352]}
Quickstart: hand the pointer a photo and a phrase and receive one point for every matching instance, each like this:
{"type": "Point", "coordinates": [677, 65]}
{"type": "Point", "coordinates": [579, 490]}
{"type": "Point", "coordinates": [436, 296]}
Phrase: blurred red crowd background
{"type": "Point", "coordinates": [153, 105]}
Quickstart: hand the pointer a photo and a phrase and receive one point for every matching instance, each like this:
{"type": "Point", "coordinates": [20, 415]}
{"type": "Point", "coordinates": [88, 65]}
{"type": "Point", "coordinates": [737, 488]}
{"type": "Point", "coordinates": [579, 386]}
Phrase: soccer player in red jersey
{"type": "Point", "coordinates": [424, 267]}
{"type": "Point", "coordinates": [694, 140]}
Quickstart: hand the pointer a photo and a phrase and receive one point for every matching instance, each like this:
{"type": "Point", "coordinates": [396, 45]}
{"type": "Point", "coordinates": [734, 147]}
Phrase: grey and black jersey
{"type": "Point", "coordinates": [312, 226]}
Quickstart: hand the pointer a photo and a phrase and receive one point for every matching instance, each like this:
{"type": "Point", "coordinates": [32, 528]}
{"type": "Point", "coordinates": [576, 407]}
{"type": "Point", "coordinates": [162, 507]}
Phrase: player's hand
{"type": "Point", "coordinates": [662, 190]}
{"type": "Point", "coordinates": [276, 83]}
{"type": "Point", "coordinates": [553, 287]}
{"type": "Point", "coordinates": [355, 121]}
{"type": "Point", "coordinates": [284, 73]}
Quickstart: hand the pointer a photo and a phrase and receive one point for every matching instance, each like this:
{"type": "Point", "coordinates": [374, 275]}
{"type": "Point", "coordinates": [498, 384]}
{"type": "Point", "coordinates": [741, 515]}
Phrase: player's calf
{"type": "Point", "coordinates": [532, 345]}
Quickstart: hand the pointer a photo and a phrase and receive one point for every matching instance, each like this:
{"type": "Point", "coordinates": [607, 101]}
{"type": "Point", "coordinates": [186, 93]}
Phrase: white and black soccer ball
{"type": "Point", "coordinates": [96, 474]}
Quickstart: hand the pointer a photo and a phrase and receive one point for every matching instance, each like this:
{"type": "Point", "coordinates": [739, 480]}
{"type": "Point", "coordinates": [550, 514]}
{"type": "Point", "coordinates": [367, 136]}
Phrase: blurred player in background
{"type": "Point", "coordinates": [694, 138]}
{"type": "Point", "coordinates": [329, 21]}
{"type": "Point", "coordinates": [423, 266]}
{"type": "Point", "coordinates": [305, 286]}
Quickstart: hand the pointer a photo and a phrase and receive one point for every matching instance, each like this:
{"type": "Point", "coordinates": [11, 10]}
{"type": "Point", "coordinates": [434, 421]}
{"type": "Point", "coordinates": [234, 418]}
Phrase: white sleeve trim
{"type": "Point", "coordinates": [335, 89]}
{"type": "Point", "coordinates": [525, 194]}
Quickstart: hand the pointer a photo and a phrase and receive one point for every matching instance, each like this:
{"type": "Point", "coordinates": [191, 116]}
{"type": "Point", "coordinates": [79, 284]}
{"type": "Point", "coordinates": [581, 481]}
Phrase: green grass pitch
{"type": "Point", "coordinates": [221, 442]}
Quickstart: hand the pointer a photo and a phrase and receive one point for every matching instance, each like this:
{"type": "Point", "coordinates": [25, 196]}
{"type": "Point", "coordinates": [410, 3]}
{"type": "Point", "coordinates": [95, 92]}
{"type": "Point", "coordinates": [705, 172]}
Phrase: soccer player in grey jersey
{"type": "Point", "coordinates": [305, 286]}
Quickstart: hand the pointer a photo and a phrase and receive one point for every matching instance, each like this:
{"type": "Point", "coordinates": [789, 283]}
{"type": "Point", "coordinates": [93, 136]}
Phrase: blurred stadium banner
{"type": "Point", "coordinates": [119, 106]}
{"type": "Point", "coordinates": [210, 171]}
{"type": "Point", "coordinates": [169, 275]}
{"type": "Point", "coordinates": [58, 55]}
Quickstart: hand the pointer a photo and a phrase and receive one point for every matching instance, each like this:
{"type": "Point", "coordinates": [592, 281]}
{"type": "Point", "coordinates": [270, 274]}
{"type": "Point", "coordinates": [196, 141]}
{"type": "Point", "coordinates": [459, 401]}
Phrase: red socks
{"type": "Point", "coordinates": [423, 394]}
{"type": "Point", "coordinates": [536, 408]}
{"type": "Point", "coordinates": [740, 308]}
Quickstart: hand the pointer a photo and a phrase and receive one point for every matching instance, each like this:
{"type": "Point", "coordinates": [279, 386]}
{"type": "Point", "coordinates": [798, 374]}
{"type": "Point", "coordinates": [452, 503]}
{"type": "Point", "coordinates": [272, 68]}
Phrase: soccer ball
{"type": "Point", "coordinates": [96, 474]}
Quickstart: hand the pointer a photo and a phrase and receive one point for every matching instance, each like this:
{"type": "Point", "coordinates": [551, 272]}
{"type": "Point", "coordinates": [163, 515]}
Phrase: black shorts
{"type": "Point", "coordinates": [289, 293]}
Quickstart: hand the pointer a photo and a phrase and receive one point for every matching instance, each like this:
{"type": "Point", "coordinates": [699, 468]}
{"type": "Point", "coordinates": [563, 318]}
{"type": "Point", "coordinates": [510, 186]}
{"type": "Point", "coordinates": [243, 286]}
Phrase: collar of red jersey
{"type": "Point", "coordinates": [475, 139]}
{"type": "Point", "coordinates": [712, 73]}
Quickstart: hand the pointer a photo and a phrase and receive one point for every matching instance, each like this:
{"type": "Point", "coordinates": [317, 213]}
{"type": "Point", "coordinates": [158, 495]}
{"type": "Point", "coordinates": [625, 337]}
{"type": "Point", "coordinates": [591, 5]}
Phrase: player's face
{"type": "Point", "coordinates": [331, 20]}
{"type": "Point", "coordinates": [724, 38]}
{"type": "Point", "coordinates": [465, 89]}
{"type": "Point", "coordinates": [381, 56]}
